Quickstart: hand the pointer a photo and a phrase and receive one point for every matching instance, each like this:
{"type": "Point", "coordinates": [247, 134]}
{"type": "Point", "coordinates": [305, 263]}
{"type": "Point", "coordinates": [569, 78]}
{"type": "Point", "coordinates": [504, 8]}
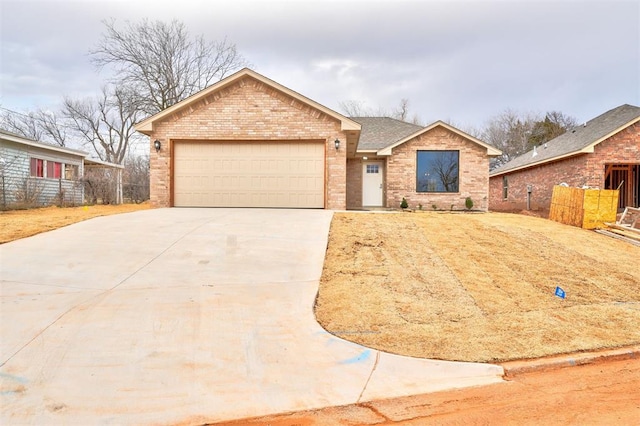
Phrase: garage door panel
{"type": "Point", "coordinates": [249, 174]}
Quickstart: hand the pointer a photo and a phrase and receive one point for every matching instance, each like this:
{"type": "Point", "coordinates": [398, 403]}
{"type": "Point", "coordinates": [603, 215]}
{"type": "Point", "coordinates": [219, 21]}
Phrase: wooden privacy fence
{"type": "Point", "coordinates": [585, 208]}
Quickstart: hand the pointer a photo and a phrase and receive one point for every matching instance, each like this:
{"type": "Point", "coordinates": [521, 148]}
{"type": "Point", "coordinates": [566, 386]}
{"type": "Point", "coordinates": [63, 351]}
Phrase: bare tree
{"type": "Point", "coordinates": [514, 133]}
{"type": "Point", "coordinates": [136, 178]}
{"type": "Point", "coordinates": [509, 132]}
{"type": "Point", "coordinates": [39, 125]}
{"type": "Point", "coordinates": [402, 112]}
{"type": "Point", "coordinates": [105, 123]}
{"type": "Point", "coordinates": [353, 108]}
{"type": "Point", "coordinates": [161, 63]}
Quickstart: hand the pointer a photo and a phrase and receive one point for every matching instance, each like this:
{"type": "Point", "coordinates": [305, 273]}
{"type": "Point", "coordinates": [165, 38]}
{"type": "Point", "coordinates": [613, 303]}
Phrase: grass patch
{"type": "Point", "coordinates": [16, 224]}
{"type": "Point", "coordinates": [477, 287]}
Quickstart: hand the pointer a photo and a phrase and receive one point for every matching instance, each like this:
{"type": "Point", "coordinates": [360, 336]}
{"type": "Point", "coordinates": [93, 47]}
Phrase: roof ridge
{"type": "Point", "coordinates": [575, 140]}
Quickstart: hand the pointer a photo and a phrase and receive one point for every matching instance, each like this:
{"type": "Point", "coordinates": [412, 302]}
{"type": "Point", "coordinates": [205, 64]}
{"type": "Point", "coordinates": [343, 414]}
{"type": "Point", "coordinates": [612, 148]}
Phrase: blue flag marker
{"type": "Point", "coordinates": [560, 293]}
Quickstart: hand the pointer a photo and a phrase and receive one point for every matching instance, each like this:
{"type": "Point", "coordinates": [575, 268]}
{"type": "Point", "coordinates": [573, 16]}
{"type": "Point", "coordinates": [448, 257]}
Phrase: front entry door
{"type": "Point", "coordinates": [372, 183]}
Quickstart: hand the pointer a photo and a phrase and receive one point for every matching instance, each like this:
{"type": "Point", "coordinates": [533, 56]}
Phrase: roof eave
{"type": "Point", "coordinates": [36, 144]}
{"type": "Point", "coordinates": [146, 125]}
{"type": "Point", "coordinates": [537, 163]}
{"type": "Point", "coordinates": [589, 149]}
{"type": "Point", "coordinates": [491, 151]}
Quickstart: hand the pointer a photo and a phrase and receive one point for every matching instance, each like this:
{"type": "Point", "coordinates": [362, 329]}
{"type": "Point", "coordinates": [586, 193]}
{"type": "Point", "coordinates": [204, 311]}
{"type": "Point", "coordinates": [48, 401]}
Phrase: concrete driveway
{"type": "Point", "coordinates": [185, 316]}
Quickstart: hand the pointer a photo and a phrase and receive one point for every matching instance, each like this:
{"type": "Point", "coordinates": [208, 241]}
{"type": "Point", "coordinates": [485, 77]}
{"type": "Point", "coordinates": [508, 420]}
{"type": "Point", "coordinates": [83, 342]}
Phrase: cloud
{"type": "Point", "coordinates": [459, 60]}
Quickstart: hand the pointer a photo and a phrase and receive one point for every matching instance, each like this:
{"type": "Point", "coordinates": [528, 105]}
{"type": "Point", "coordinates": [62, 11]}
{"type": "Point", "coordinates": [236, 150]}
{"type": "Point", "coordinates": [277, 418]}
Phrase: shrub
{"type": "Point", "coordinates": [468, 203]}
{"type": "Point", "coordinates": [404, 204]}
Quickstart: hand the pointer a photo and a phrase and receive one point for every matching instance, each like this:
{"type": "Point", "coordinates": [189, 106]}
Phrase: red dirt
{"type": "Point", "coordinates": [604, 392]}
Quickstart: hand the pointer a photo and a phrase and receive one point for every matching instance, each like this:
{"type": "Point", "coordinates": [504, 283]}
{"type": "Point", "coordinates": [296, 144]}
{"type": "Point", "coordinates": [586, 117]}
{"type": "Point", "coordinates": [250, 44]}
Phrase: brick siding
{"type": "Point", "coordinates": [473, 172]}
{"type": "Point", "coordinates": [576, 171]}
{"type": "Point", "coordinates": [248, 109]}
{"type": "Point", "coordinates": [354, 183]}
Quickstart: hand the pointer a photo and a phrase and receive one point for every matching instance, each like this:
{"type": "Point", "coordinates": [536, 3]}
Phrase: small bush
{"type": "Point", "coordinates": [404, 204]}
{"type": "Point", "coordinates": [468, 203]}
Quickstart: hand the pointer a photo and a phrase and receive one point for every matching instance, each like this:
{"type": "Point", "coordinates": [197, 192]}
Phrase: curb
{"type": "Point", "coordinates": [514, 368]}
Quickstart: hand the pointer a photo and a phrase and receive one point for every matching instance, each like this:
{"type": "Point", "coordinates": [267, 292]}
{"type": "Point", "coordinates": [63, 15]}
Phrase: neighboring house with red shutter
{"type": "Point", "coordinates": [248, 141]}
{"type": "Point", "coordinates": [33, 173]}
{"type": "Point", "coordinates": [603, 153]}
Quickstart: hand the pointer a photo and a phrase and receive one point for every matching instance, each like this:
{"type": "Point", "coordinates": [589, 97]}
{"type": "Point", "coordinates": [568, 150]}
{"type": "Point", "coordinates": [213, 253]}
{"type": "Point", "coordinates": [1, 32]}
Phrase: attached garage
{"type": "Point", "coordinates": [247, 141]}
{"type": "Point", "coordinates": [286, 174]}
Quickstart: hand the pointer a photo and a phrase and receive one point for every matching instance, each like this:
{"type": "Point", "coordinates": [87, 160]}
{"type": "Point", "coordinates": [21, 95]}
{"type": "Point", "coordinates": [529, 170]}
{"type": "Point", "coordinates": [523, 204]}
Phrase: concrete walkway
{"type": "Point", "coordinates": [185, 316]}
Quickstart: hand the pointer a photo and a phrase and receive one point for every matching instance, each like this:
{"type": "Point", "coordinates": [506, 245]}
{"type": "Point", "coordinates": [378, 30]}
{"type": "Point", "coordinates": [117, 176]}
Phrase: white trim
{"type": "Point", "coordinates": [93, 161]}
{"type": "Point", "coordinates": [30, 142]}
{"type": "Point", "coordinates": [589, 149]}
{"type": "Point", "coordinates": [146, 125]}
{"type": "Point", "coordinates": [537, 163]}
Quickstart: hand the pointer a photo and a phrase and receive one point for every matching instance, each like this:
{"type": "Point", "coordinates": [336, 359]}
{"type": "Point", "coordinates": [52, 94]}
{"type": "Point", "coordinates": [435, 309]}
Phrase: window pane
{"type": "Point", "coordinates": [57, 169]}
{"type": "Point", "coordinates": [70, 171]}
{"type": "Point", "coordinates": [437, 171]}
{"type": "Point", "coordinates": [37, 167]}
{"type": "Point", "coordinates": [505, 187]}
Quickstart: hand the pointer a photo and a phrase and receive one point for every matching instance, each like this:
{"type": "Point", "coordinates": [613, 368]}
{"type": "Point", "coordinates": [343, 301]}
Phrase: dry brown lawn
{"type": "Point", "coordinates": [477, 287]}
{"type": "Point", "coordinates": [16, 224]}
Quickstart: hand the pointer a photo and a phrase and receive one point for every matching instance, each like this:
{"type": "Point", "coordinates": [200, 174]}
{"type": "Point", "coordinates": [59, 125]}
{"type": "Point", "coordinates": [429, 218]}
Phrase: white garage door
{"type": "Point", "coordinates": [248, 174]}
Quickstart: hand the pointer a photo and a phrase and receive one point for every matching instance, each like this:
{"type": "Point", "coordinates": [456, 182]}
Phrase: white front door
{"type": "Point", "coordinates": [372, 183]}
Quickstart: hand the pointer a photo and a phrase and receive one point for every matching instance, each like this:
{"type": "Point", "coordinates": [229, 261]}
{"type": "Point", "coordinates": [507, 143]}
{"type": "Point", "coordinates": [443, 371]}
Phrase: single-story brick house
{"type": "Point", "coordinates": [33, 173]}
{"type": "Point", "coordinates": [248, 141]}
{"type": "Point", "coordinates": [603, 153]}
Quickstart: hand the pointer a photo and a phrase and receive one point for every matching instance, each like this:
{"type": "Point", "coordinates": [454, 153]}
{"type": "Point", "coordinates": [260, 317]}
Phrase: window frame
{"type": "Point", "coordinates": [54, 169]}
{"type": "Point", "coordinates": [373, 168]}
{"type": "Point", "coordinates": [71, 171]}
{"type": "Point", "coordinates": [505, 187]}
{"type": "Point", "coordinates": [37, 167]}
{"type": "Point", "coordinates": [439, 183]}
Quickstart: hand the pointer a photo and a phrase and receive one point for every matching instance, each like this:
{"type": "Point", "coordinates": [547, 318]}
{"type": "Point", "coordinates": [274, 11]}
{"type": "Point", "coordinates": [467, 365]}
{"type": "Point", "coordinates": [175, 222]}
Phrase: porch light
{"type": "Point", "coordinates": [157, 145]}
{"type": "Point", "coordinates": [337, 143]}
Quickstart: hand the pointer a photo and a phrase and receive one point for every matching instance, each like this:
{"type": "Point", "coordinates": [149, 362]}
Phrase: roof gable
{"type": "Point", "coordinates": [579, 140]}
{"type": "Point", "coordinates": [146, 126]}
{"type": "Point", "coordinates": [491, 150]}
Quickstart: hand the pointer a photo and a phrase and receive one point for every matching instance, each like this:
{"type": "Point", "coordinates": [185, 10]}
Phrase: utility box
{"type": "Point", "coordinates": [585, 208]}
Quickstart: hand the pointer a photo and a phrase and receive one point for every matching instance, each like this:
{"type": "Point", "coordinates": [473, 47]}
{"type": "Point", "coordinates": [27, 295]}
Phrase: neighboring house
{"type": "Point", "coordinates": [248, 141]}
{"type": "Point", "coordinates": [603, 153]}
{"type": "Point", "coordinates": [33, 173]}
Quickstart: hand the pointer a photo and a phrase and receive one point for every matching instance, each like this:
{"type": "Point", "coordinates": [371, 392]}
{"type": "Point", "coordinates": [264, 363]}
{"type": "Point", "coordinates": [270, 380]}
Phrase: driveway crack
{"type": "Point", "coordinates": [375, 365]}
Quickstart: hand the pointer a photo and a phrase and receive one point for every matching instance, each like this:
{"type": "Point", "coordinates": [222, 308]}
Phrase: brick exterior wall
{"type": "Point", "coordinates": [577, 171]}
{"type": "Point", "coordinates": [473, 172]}
{"type": "Point", "coordinates": [248, 109]}
{"type": "Point", "coordinates": [354, 183]}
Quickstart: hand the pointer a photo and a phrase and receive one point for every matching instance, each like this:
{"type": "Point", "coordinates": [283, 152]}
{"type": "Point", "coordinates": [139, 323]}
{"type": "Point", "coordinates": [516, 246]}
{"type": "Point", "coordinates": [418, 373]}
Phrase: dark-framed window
{"type": "Point", "coordinates": [505, 187]}
{"type": "Point", "coordinates": [438, 171]}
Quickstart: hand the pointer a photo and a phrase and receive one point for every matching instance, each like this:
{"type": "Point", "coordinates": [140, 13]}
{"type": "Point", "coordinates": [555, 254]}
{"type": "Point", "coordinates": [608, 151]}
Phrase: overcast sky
{"type": "Point", "coordinates": [462, 61]}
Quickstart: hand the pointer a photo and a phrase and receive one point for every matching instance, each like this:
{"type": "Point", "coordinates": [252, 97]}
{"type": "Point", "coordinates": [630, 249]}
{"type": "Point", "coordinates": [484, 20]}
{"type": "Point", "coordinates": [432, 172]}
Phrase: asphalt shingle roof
{"type": "Point", "coordinates": [576, 139]}
{"type": "Point", "coordinates": [380, 132]}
